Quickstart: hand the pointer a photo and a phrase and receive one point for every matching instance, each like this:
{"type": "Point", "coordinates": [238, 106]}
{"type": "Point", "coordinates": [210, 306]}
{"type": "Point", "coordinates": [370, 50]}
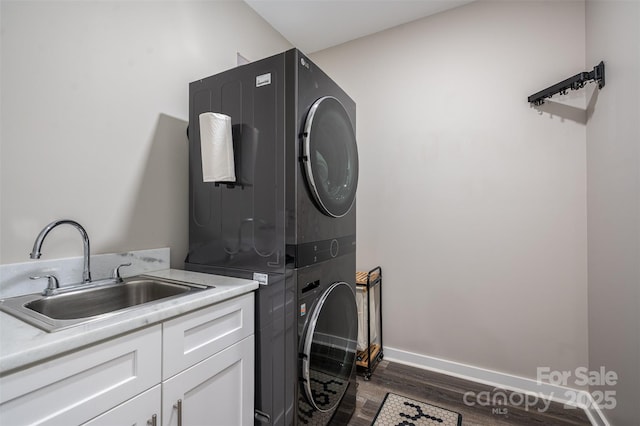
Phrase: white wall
{"type": "Point", "coordinates": [613, 181]}
{"type": "Point", "coordinates": [94, 111]}
{"type": "Point", "coordinates": [473, 202]}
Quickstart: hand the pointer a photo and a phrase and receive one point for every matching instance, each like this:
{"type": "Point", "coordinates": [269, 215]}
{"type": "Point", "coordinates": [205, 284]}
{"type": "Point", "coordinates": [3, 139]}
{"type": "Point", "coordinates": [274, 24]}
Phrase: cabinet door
{"type": "Point", "coordinates": [215, 392]}
{"type": "Point", "coordinates": [138, 411]}
{"type": "Point", "coordinates": [77, 387]}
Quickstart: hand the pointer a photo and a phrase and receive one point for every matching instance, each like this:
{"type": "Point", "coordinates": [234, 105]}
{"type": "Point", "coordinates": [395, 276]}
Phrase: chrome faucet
{"type": "Point", "coordinates": [37, 245]}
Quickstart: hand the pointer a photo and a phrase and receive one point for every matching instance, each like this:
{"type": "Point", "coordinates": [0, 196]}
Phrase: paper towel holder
{"type": "Point", "coordinates": [230, 185]}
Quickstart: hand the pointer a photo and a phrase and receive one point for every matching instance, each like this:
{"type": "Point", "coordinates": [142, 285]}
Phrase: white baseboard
{"type": "Point", "coordinates": [571, 397]}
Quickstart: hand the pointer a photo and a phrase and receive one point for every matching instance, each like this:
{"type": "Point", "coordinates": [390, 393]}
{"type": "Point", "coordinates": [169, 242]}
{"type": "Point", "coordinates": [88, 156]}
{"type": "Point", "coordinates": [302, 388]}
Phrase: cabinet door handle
{"type": "Point", "coordinates": [153, 421]}
{"type": "Point", "coordinates": [178, 405]}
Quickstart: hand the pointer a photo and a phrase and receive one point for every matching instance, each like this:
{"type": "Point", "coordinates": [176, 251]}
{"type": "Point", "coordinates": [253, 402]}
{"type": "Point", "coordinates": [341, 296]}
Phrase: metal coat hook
{"type": "Point", "coordinates": [576, 82]}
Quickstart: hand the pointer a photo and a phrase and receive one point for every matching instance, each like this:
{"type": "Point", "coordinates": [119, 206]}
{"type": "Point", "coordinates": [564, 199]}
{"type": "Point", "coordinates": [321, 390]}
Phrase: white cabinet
{"type": "Point", "coordinates": [205, 359]}
{"type": "Point", "coordinates": [214, 385]}
{"type": "Point", "coordinates": [74, 388]}
{"type": "Point", "coordinates": [216, 391]}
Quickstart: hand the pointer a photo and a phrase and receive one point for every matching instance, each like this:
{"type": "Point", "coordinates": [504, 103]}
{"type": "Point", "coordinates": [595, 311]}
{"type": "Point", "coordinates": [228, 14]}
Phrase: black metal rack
{"type": "Point", "coordinates": [576, 82]}
{"type": "Point", "coordinates": [368, 359]}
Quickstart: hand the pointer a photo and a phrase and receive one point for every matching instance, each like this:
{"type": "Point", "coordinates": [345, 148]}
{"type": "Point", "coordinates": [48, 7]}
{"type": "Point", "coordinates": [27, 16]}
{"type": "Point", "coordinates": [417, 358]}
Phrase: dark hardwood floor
{"type": "Point", "coordinates": [449, 392]}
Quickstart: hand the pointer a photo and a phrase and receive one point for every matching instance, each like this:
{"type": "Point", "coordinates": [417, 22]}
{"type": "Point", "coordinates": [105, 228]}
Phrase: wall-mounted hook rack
{"type": "Point", "coordinates": [576, 82]}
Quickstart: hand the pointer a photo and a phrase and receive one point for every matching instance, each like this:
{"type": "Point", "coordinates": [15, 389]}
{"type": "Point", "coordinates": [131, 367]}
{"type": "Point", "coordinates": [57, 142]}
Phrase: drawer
{"type": "Point", "coordinates": [76, 387]}
{"type": "Point", "coordinates": [196, 336]}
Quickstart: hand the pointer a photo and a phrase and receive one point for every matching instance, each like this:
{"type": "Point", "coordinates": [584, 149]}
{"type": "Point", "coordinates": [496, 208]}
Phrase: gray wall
{"type": "Point", "coordinates": [94, 112]}
{"type": "Point", "coordinates": [613, 182]}
{"type": "Point", "coordinates": [473, 202]}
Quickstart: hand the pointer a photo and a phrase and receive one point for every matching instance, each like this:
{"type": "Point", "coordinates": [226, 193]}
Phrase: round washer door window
{"type": "Point", "coordinates": [330, 156]}
{"type": "Point", "coordinates": [330, 347]}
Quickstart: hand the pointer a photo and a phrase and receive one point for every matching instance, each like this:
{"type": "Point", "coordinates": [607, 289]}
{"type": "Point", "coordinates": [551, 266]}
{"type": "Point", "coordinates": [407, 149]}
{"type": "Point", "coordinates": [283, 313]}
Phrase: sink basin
{"type": "Point", "coordinates": [102, 300]}
{"type": "Point", "coordinates": [53, 313]}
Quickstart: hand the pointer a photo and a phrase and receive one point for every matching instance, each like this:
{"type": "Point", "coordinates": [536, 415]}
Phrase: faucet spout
{"type": "Point", "coordinates": [37, 245]}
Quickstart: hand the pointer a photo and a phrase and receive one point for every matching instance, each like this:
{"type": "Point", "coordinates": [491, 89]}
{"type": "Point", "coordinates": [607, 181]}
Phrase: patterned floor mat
{"type": "Point", "coordinates": [397, 410]}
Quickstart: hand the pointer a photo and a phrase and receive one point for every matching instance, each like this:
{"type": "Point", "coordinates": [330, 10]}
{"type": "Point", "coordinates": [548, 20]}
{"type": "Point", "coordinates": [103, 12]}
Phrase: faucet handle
{"type": "Point", "coordinates": [116, 272]}
{"type": "Point", "coordinates": [52, 284]}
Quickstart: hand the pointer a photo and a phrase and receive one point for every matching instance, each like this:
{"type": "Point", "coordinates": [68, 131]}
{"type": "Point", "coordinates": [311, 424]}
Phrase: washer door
{"type": "Point", "coordinates": [329, 350]}
{"type": "Point", "coordinates": [330, 156]}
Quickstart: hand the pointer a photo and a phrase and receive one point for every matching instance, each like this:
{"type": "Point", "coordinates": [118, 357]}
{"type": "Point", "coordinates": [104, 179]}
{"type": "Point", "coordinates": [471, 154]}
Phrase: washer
{"type": "Point", "coordinates": [290, 216]}
{"type": "Point", "coordinates": [327, 340]}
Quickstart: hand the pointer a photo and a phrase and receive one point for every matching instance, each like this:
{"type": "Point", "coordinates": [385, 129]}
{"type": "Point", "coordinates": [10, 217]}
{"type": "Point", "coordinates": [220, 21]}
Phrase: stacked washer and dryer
{"type": "Point", "coordinates": [288, 221]}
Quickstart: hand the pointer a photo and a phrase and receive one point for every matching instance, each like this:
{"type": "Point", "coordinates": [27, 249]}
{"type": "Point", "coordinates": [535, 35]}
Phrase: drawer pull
{"type": "Point", "coordinates": [153, 421]}
{"type": "Point", "coordinates": [178, 405]}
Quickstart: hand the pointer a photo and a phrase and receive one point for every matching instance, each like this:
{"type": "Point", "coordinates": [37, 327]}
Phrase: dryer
{"type": "Point", "coordinates": [296, 163]}
{"type": "Point", "coordinates": [289, 216]}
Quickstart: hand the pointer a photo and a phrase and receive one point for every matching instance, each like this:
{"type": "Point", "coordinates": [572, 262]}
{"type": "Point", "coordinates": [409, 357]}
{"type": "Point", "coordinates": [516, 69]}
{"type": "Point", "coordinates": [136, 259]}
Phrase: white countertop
{"type": "Point", "coordinates": [22, 344]}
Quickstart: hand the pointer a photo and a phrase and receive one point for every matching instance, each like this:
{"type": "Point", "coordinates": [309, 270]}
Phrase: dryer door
{"type": "Point", "coordinates": [330, 347]}
{"type": "Point", "coordinates": [330, 156]}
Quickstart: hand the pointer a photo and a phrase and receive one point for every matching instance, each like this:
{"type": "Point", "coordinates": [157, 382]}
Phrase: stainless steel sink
{"type": "Point", "coordinates": [53, 313]}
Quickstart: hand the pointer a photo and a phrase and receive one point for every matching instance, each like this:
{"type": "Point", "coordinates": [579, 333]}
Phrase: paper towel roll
{"type": "Point", "coordinates": [216, 144]}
